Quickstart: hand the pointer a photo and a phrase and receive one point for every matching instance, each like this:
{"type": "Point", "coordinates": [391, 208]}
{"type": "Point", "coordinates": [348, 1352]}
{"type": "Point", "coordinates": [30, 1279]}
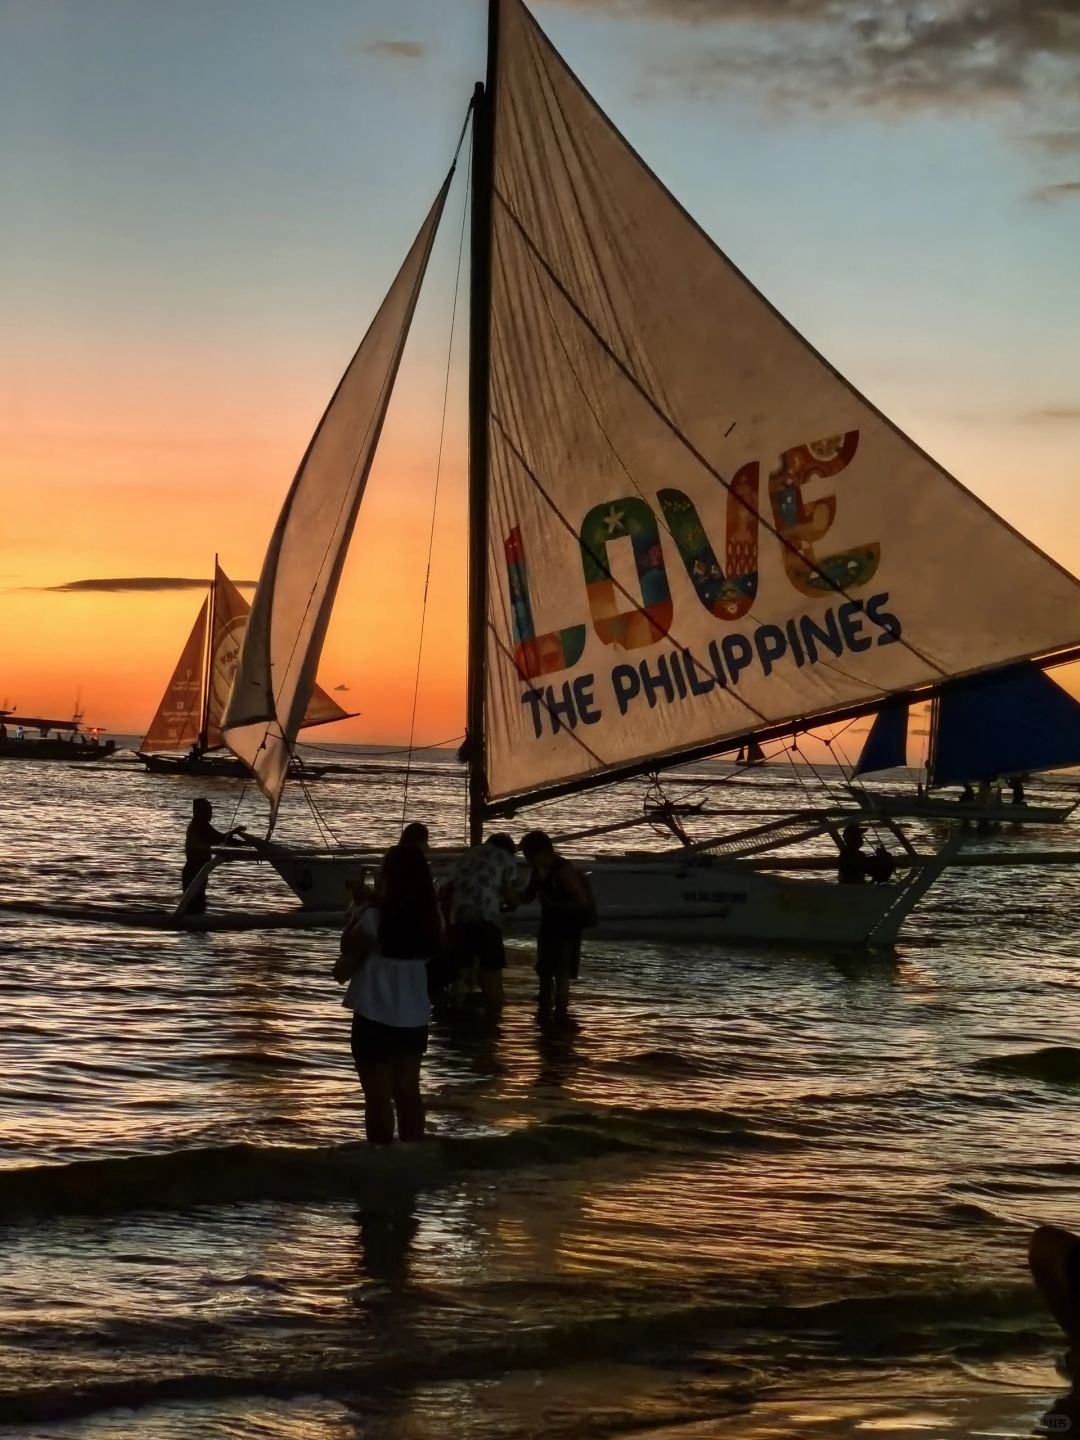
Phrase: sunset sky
{"type": "Point", "coordinates": [205, 202]}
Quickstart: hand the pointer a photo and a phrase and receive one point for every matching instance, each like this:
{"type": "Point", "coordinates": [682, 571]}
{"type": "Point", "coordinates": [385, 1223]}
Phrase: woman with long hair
{"type": "Point", "coordinates": [388, 995]}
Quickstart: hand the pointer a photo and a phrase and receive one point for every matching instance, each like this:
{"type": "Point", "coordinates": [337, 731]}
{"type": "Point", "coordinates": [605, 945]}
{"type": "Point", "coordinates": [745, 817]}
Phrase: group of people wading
{"type": "Point", "coordinates": [408, 946]}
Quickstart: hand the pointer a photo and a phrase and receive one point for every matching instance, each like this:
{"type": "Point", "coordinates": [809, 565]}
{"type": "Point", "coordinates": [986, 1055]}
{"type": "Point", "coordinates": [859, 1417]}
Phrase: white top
{"type": "Point", "coordinates": [393, 992]}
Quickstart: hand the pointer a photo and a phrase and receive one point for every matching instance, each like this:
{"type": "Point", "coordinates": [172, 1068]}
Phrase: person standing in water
{"type": "Point", "coordinates": [388, 995]}
{"type": "Point", "coordinates": [482, 886]}
{"type": "Point", "coordinates": [566, 909]}
{"type": "Point", "coordinates": [199, 841]}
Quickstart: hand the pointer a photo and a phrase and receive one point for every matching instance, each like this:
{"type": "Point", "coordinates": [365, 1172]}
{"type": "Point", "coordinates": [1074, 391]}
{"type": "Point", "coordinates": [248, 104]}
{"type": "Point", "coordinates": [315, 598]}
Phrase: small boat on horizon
{"type": "Point", "coordinates": [32, 737]}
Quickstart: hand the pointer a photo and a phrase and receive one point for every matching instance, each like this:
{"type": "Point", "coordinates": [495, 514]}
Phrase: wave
{"type": "Point", "coordinates": [179, 1179]}
{"type": "Point", "coordinates": [1054, 1064]}
{"type": "Point", "coordinates": [864, 1329]}
{"type": "Point", "coordinates": [659, 1062]}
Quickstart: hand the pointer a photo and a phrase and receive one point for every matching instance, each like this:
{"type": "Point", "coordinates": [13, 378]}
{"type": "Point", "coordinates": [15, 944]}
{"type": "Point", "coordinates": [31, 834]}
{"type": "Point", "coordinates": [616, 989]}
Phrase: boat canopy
{"type": "Point", "coordinates": [34, 722]}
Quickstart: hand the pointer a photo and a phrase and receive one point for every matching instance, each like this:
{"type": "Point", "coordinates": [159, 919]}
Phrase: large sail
{"type": "Point", "coordinates": [179, 716]}
{"type": "Point", "coordinates": [696, 527]}
{"type": "Point", "coordinates": [300, 574]}
{"type": "Point", "coordinates": [231, 612]}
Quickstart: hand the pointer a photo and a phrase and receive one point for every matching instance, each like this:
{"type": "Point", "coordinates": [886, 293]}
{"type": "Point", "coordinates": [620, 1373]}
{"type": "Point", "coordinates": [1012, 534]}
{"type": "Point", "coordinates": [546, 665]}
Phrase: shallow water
{"type": "Point", "coordinates": [769, 1193]}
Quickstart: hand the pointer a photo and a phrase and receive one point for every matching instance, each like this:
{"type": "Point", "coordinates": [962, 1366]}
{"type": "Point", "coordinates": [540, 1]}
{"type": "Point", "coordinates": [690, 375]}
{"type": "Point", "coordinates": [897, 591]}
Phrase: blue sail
{"type": "Point", "coordinates": [886, 744]}
{"type": "Point", "coordinates": [1007, 722]}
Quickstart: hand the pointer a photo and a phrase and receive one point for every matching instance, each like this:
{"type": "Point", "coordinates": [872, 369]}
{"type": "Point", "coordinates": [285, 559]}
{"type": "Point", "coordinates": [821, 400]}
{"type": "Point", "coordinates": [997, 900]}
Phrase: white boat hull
{"type": "Point", "coordinates": [676, 898]}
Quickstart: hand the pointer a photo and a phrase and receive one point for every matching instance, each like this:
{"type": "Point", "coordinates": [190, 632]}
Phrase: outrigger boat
{"type": "Point", "coordinates": [1006, 725]}
{"type": "Point", "coordinates": [688, 532]}
{"type": "Point", "coordinates": [184, 737]}
{"type": "Point", "coordinates": [30, 737]}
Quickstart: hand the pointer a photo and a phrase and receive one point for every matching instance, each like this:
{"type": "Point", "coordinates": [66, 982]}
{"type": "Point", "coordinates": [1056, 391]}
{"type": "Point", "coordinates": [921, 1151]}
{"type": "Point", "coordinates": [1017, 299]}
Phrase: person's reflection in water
{"type": "Point", "coordinates": [386, 1238]}
{"type": "Point", "coordinates": [469, 1047]}
{"type": "Point", "coordinates": [558, 1060]}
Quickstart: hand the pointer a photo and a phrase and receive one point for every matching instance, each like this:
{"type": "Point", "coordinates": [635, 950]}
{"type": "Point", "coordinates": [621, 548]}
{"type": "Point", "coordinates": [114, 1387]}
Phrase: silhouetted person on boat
{"type": "Point", "coordinates": [566, 909]}
{"type": "Point", "coordinates": [880, 866]}
{"type": "Point", "coordinates": [199, 842]}
{"type": "Point", "coordinates": [967, 796]}
{"type": "Point", "coordinates": [385, 953]}
{"type": "Point", "coordinates": [483, 885]}
{"type": "Point", "coordinates": [852, 864]}
{"type": "Point", "coordinates": [1016, 787]}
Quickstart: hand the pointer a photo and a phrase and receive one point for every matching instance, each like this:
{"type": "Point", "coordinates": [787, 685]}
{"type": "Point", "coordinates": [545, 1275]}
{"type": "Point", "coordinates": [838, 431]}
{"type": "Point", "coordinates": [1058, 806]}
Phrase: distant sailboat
{"type": "Point", "coordinates": [185, 732]}
{"type": "Point", "coordinates": [750, 754]}
{"type": "Point", "coordinates": [635, 402]}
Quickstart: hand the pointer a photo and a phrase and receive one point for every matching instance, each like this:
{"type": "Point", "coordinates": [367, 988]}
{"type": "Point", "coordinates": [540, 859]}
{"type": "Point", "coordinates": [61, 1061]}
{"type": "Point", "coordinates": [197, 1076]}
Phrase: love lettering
{"type": "Point", "coordinates": [727, 590]}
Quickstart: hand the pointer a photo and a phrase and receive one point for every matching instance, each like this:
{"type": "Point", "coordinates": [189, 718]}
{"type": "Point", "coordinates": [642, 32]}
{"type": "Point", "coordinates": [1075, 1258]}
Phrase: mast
{"type": "Point", "coordinates": [208, 660]}
{"type": "Point", "coordinates": [483, 180]}
{"type": "Point", "coordinates": [932, 739]}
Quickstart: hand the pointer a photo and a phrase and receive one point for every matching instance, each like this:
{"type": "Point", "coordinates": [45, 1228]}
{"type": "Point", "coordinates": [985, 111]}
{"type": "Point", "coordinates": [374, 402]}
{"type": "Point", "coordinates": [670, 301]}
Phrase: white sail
{"type": "Point", "coordinates": [299, 579]}
{"type": "Point", "coordinates": [231, 613]}
{"type": "Point", "coordinates": [696, 526]}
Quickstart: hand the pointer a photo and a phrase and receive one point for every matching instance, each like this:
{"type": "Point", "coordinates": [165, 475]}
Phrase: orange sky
{"type": "Point", "coordinates": [103, 494]}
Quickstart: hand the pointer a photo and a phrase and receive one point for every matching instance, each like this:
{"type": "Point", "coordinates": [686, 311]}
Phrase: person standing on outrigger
{"type": "Point", "coordinates": [199, 841]}
{"type": "Point", "coordinates": [566, 909]}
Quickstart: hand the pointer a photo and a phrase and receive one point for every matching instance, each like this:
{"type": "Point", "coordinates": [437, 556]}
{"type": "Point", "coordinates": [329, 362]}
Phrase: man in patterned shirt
{"type": "Point", "coordinates": [483, 885]}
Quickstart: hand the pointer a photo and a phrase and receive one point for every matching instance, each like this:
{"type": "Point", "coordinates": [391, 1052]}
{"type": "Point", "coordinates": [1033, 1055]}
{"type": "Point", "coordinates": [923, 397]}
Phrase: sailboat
{"type": "Point", "coordinates": [185, 737]}
{"type": "Point", "coordinates": [750, 754]}
{"type": "Point", "coordinates": [1003, 725]}
{"type": "Point", "coordinates": [688, 531]}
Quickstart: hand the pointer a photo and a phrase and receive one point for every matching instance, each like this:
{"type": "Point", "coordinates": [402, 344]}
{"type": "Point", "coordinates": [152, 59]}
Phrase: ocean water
{"type": "Point", "coordinates": [773, 1193]}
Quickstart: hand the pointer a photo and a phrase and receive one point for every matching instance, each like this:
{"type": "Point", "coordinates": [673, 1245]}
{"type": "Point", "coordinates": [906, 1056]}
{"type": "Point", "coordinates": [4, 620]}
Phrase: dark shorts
{"type": "Point", "coordinates": [477, 940]}
{"type": "Point", "coordinates": [375, 1044]}
{"type": "Point", "coordinates": [558, 955]}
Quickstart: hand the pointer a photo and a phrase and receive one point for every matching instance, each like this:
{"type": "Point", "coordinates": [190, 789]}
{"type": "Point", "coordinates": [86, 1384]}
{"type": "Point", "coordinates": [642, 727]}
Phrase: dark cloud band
{"type": "Point", "coordinates": [143, 583]}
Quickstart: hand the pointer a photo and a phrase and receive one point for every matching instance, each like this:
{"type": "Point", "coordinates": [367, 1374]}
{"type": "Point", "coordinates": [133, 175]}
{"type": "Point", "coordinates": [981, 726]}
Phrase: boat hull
{"type": "Point", "coordinates": [210, 767]}
{"type": "Point", "coordinates": [62, 750]}
{"type": "Point", "coordinates": [202, 766]}
{"type": "Point", "coordinates": [931, 808]}
{"type": "Point", "coordinates": [664, 899]}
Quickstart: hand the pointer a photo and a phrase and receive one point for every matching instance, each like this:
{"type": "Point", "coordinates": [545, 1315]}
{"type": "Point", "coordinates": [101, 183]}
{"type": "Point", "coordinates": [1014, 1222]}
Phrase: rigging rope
{"type": "Point", "coordinates": [435, 497]}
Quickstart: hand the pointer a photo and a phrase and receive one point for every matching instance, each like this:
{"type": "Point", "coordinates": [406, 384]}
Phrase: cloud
{"type": "Point", "coordinates": [1054, 414]}
{"type": "Point", "coordinates": [340, 688]}
{"type": "Point", "coordinates": [397, 49]}
{"type": "Point", "coordinates": [1062, 190]}
{"type": "Point", "coordinates": [151, 583]}
{"type": "Point", "coordinates": [1057, 142]}
{"type": "Point", "coordinates": [906, 54]}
